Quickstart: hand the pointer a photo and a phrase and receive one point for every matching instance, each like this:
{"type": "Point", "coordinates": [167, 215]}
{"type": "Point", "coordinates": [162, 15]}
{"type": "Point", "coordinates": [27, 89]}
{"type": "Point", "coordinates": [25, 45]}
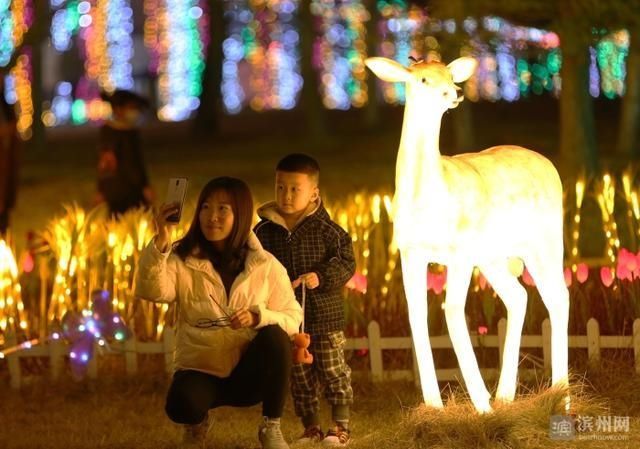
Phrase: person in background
{"type": "Point", "coordinates": [9, 147]}
{"type": "Point", "coordinates": [122, 176]}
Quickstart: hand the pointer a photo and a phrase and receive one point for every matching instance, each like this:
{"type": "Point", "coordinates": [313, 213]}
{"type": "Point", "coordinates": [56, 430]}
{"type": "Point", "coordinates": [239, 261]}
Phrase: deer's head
{"type": "Point", "coordinates": [431, 84]}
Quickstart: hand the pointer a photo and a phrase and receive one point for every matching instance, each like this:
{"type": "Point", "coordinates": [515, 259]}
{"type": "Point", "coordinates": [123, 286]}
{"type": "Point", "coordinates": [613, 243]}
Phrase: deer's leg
{"type": "Point", "coordinates": [514, 297]}
{"type": "Point", "coordinates": [414, 276]}
{"type": "Point", "coordinates": [458, 278]}
{"type": "Point", "coordinates": [549, 278]}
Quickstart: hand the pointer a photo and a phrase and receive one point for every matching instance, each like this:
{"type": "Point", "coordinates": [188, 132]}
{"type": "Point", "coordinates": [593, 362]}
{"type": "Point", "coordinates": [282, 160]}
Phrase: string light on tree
{"type": "Point", "coordinates": [339, 54]}
{"type": "Point", "coordinates": [175, 33]}
{"type": "Point", "coordinates": [261, 65]}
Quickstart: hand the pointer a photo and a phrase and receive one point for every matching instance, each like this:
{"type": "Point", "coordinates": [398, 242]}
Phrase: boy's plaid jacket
{"type": "Point", "coordinates": [318, 245]}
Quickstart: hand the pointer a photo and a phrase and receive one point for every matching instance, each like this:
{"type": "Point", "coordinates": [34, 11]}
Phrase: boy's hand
{"type": "Point", "coordinates": [310, 280]}
{"type": "Point", "coordinates": [244, 318]}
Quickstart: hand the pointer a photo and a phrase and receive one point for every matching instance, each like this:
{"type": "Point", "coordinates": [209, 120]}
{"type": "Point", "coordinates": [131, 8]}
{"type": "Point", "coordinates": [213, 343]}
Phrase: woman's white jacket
{"type": "Point", "coordinates": [201, 343]}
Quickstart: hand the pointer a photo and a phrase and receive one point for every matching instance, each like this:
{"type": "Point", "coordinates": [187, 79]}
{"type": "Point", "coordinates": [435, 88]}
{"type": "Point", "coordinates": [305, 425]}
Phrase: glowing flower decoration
{"type": "Point", "coordinates": [568, 277]}
{"type": "Point", "coordinates": [358, 283]}
{"type": "Point", "coordinates": [606, 276]}
{"type": "Point", "coordinates": [626, 262]}
{"type": "Point", "coordinates": [436, 282]}
{"type": "Point", "coordinates": [27, 263]}
{"type": "Point", "coordinates": [582, 273]}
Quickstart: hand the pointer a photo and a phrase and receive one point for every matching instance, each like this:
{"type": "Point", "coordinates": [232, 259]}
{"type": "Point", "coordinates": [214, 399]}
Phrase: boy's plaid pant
{"type": "Point", "coordinates": [329, 371]}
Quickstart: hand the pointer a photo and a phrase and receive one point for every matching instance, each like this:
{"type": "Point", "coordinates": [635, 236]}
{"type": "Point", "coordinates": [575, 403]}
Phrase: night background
{"type": "Point", "coordinates": [234, 85]}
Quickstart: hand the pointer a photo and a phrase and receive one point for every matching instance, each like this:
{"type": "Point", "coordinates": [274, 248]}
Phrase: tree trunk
{"type": "Point", "coordinates": [311, 101]}
{"type": "Point", "coordinates": [577, 131]}
{"type": "Point", "coordinates": [40, 31]}
{"type": "Point", "coordinates": [372, 109]}
{"type": "Point", "coordinates": [629, 132]}
{"type": "Point", "coordinates": [206, 121]}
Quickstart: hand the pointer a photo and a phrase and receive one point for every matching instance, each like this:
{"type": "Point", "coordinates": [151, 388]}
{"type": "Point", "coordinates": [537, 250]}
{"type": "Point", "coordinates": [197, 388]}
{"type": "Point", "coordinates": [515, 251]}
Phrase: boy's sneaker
{"type": "Point", "coordinates": [336, 437]}
{"type": "Point", "coordinates": [270, 435]}
{"type": "Point", "coordinates": [195, 435]}
{"type": "Point", "coordinates": [312, 434]}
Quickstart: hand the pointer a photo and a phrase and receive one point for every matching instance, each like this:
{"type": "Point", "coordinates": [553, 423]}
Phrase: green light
{"type": "Point", "coordinates": [554, 61]}
{"type": "Point", "coordinates": [78, 112]}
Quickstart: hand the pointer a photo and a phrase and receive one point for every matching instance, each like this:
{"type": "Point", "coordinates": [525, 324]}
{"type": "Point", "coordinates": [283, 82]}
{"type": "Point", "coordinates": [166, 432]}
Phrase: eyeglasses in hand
{"type": "Point", "coordinates": [204, 323]}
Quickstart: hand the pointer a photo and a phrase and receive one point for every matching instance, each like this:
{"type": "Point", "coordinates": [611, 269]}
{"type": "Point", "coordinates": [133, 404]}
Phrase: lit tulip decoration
{"type": "Point", "coordinates": [478, 209]}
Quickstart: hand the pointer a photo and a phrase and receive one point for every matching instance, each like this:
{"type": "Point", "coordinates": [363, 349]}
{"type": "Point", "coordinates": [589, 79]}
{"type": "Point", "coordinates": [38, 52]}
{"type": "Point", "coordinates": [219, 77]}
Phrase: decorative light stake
{"type": "Point", "coordinates": [478, 209]}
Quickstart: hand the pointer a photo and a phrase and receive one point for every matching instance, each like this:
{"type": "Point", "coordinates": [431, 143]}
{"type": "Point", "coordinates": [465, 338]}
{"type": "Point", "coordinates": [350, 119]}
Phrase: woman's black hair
{"type": "Point", "coordinates": [194, 242]}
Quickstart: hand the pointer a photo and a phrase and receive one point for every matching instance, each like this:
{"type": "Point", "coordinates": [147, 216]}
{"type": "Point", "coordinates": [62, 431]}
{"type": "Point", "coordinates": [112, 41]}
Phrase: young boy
{"type": "Point", "coordinates": [318, 253]}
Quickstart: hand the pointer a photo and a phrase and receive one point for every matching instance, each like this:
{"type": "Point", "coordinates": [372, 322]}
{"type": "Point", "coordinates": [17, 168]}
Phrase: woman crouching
{"type": "Point", "coordinates": [236, 311]}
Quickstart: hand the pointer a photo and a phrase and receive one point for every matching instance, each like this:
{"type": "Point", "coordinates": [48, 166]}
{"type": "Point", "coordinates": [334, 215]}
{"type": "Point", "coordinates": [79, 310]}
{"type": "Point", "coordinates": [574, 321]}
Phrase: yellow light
{"type": "Point", "coordinates": [375, 208]}
{"type": "Point", "coordinates": [459, 211]}
{"type": "Point", "coordinates": [635, 204]}
{"type": "Point", "coordinates": [579, 192]}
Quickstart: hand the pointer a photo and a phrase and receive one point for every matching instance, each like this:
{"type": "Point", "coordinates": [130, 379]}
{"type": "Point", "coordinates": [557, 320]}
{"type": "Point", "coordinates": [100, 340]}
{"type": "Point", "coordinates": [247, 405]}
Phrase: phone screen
{"type": "Point", "coordinates": [176, 193]}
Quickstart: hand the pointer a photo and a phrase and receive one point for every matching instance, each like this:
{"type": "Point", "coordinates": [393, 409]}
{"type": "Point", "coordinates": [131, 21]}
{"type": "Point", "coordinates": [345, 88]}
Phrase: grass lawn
{"type": "Point", "coordinates": [114, 412]}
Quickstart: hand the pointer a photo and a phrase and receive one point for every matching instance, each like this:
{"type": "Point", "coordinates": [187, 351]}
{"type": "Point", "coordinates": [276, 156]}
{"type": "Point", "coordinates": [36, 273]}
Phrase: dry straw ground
{"type": "Point", "coordinates": [118, 413]}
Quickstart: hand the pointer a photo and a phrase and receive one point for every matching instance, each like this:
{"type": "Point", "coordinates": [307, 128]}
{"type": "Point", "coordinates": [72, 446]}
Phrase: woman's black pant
{"type": "Point", "coordinates": [262, 375]}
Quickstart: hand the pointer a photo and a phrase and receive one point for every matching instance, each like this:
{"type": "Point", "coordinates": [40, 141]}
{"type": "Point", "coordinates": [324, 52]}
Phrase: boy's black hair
{"type": "Point", "coordinates": [300, 163]}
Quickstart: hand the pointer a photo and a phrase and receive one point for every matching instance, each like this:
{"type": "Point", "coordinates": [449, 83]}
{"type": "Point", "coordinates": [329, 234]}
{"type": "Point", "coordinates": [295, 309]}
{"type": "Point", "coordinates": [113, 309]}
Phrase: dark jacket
{"type": "Point", "coordinates": [9, 142]}
{"type": "Point", "coordinates": [122, 176]}
{"type": "Point", "coordinates": [318, 245]}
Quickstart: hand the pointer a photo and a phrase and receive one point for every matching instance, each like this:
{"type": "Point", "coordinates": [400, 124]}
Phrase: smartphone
{"type": "Point", "coordinates": [176, 193]}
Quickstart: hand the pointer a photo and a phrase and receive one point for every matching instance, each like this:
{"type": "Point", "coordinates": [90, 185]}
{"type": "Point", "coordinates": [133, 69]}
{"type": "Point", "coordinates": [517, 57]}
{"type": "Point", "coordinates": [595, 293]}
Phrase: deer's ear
{"type": "Point", "coordinates": [462, 68]}
{"type": "Point", "coordinates": [388, 69]}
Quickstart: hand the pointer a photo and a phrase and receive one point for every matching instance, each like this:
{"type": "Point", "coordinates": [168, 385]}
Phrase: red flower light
{"type": "Point", "coordinates": [582, 273]}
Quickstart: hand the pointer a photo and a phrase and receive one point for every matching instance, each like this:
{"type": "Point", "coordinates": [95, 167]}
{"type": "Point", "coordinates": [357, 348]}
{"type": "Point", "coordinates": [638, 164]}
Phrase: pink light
{"type": "Point", "coordinates": [568, 277]}
{"type": "Point", "coordinates": [436, 281]}
{"type": "Point", "coordinates": [27, 263]}
{"type": "Point", "coordinates": [482, 330]}
{"type": "Point", "coordinates": [606, 276]}
{"type": "Point", "coordinates": [582, 273]}
{"type": "Point", "coordinates": [358, 283]}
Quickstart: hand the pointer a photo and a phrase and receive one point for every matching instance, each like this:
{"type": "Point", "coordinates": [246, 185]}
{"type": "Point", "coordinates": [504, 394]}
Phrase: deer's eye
{"type": "Point", "coordinates": [424, 80]}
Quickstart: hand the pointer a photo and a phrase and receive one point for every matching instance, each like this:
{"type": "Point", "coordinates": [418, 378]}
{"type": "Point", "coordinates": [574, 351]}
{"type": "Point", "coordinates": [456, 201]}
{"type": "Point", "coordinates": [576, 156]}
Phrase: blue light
{"type": "Point", "coordinates": [84, 7]}
{"type": "Point", "coordinates": [195, 13]}
{"type": "Point", "coordinates": [85, 20]}
{"type": "Point", "coordinates": [120, 43]}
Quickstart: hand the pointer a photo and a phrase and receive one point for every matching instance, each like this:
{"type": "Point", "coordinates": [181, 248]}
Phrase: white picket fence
{"type": "Point", "coordinates": [593, 342]}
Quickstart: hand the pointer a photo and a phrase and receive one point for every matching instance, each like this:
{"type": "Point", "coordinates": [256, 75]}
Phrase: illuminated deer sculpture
{"type": "Point", "coordinates": [476, 209]}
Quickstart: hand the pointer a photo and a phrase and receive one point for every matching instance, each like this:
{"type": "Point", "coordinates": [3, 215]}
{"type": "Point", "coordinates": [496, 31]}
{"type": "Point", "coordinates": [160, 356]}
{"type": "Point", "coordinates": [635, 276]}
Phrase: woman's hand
{"type": "Point", "coordinates": [244, 318]}
{"type": "Point", "coordinates": [163, 238]}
